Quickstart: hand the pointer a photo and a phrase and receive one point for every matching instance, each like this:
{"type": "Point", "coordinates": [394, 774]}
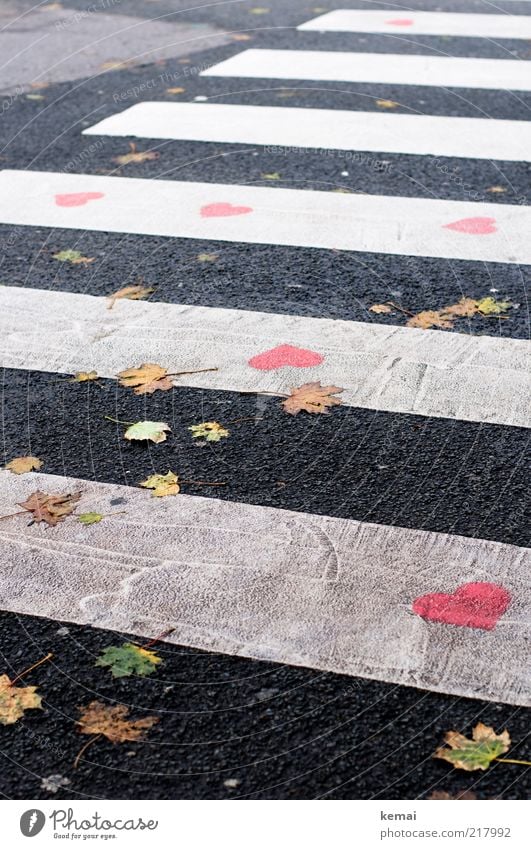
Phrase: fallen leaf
{"type": "Point", "coordinates": [116, 64]}
{"type": "Point", "coordinates": [154, 431]}
{"type": "Point", "coordinates": [22, 465]}
{"type": "Point", "coordinates": [129, 659]}
{"type": "Point", "coordinates": [465, 308]}
{"type": "Point", "coordinates": [477, 753]}
{"type": "Point", "coordinates": [131, 293]}
{"type": "Point", "coordinates": [35, 97]}
{"type": "Point", "coordinates": [274, 175]}
{"type": "Point", "coordinates": [387, 104]}
{"type": "Point", "coordinates": [90, 518]}
{"type": "Point", "coordinates": [53, 783]}
{"type": "Point", "coordinates": [175, 90]}
{"type": "Point", "coordinates": [442, 794]}
{"type": "Point", "coordinates": [15, 700]}
{"type": "Point", "coordinates": [162, 485]}
{"type": "Point", "coordinates": [494, 190]}
{"type": "Point", "coordinates": [488, 306]}
{"type": "Point", "coordinates": [240, 36]}
{"type": "Point", "coordinates": [74, 257]}
{"type": "Point", "coordinates": [211, 431]}
{"type": "Point", "coordinates": [429, 318]}
{"type": "Point", "coordinates": [207, 257]}
{"type": "Point", "coordinates": [51, 509]}
{"type": "Point", "coordinates": [380, 308]}
{"type": "Point", "coordinates": [259, 10]}
{"type": "Point", "coordinates": [112, 722]}
{"type": "Point", "coordinates": [136, 156]}
{"type": "Point", "coordinates": [84, 377]}
{"type": "Point", "coordinates": [147, 378]}
{"type": "Point", "coordinates": [311, 397]}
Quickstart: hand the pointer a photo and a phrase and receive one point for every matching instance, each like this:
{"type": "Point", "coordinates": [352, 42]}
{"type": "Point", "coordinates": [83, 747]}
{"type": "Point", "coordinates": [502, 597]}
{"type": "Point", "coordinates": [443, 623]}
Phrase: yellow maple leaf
{"type": "Point", "coordinates": [175, 90]}
{"type": "Point", "coordinates": [380, 308]}
{"type": "Point", "coordinates": [15, 700]}
{"type": "Point", "coordinates": [494, 190]}
{"type": "Point", "coordinates": [387, 104]}
{"type": "Point", "coordinates": [211, 431]}
{"type": "Point", "coordinates": [311, 397]}
{"type": "Point", "coordinates": [147, 378]}
{"type": "Point", "coordinates": [84, 376]}
{"type": "Point", "coordinates": [22, 465]}
{"type": "Point", "coordinates": [489, 306]}
{"type": "Point", "coordinates": [429, 318]}
{"type": "Point", "coordinates": [162, 485]}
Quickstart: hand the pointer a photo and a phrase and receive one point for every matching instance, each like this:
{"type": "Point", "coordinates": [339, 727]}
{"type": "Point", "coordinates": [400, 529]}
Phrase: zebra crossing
{"type": "Point", "coordinates": [289, 586]}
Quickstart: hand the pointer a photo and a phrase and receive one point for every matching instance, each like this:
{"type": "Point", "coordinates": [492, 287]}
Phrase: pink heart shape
{"type": "Point", "coordinates": [221, 210]}
{"type": "Point", "coordinates": [77, 198]}
{"type": "Point", "coordinates": [401, 22]}
{"type": "Point", "coordinates": [286, 355]}
{"type": "Point", "coordinates": [476, 226]}
{"type": "Point", "coordinates": [476, 605]}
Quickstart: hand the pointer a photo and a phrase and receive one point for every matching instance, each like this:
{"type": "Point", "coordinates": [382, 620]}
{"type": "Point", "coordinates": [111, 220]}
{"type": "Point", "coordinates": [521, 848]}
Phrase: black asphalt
{"type": "Point", "coordinates": [279, 731]}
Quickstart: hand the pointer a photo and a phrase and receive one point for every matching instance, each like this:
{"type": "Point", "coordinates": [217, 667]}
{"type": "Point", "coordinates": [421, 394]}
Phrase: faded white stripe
{"type": "Point", "coordinates": [394, 69]}
{"type": "Point", "coordinates": [431, 373]}
{"type": "Point", "coordinates": [407, 22]}
{"type": "Point", "coordinates": [276, 585]}
{"type": "Point", "coordinates": [372, 223]}
{"type": "Point", "coordinates": [323, 128]}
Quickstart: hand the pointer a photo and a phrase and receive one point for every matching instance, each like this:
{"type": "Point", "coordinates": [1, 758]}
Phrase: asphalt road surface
{"type": "Point", "coordinates": [233, 727]}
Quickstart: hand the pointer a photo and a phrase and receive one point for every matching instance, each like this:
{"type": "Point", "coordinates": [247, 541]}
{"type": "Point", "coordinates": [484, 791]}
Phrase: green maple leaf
{"type": "Point", "coordinates": [90, 518]}
{"type": "Point", "coordinates": [129, 659]}
{"type": "Point", "coordinates": [155, 431]}
{"type": "Point", "coordinates": [477, 753]}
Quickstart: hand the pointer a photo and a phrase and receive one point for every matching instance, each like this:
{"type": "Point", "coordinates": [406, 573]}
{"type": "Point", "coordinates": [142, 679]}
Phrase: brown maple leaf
{"type": "Point", "coordinates": [112, 722]}
{"type": "Point", "coordinates": [466, 307]}
{"type": "Point", "coordinates": [136, 155]}
{"type": "Point", "coordinates": [51, 509]}
{"type": "Point", "coordinates": [147, 378]}
{"type": "Point", "coordinates": [311, 397]}
{"type": "Point", "coordinates": [131, 293]}
{"type": "Point", "coordinates": [22, 465]}
{"type": "Point", "coordinates": [429, 318]}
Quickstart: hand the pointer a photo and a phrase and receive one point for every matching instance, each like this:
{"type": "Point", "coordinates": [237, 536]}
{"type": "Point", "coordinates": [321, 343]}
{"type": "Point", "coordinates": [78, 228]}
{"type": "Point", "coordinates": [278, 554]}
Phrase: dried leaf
{"type": "Point", "coordinates": [74, 257]}
{"type": "Point", "coordinates": [129, 659]}
{"type": "Point", "coordinates": [207, 257]}
{"type": "Point", "coordinates": [259, 10]}
{"type": "Point", "coordinates": [380, 308]}
{"type": "Point", "coordinates": [136, 156]}
{"type": "Point", "coordinates": [477, 753]}
{"type": "Point", "coordinates": [147, 378]}
{"type": "Point", "coordinates": [211, 431]}
{"type": "Point", "coordinates": [442, 794]}
{"type": "Point", "coordinates": [132, 293]}
{"type": "Point", "coordinates": [116, 65]}
{"type": "Point", "coordinates": [112, 722]}
{"type": "Point", "coordinates": [387, 104]}
{"type": "Point", "coordinates": [90, 518]}
{"type": "Point", "coordinates": [51, 509]}
{"type": "Point", "coordinates": [175, 90]}
{"type": "Point", "coordinates": [241, 36]}
{"type": "Point", "coordinates": [162, 485]}
{"type": "Point", "coordinates": [84, 377]}
{"type": "Point", "coordinates": [466, 308]}
{"type": "Point", "coordinates": [494, 190]}
{"type": "Point", "coordinates": [311, 397]}
{"type": "Point", "coordinates": [15, 700]}
{"type": "Point", "coordinates": [429, 318]}
{"type": "Point", "coordinates": [35, 97]}
{"type": "Point", "coordinates": [22, 465]}
{"type": "Point", "coordinates": [488, 306]}
{"type": "Point", "coordinates": [154, 431]}
{"type": "Point", "coordinates": [274, 175]}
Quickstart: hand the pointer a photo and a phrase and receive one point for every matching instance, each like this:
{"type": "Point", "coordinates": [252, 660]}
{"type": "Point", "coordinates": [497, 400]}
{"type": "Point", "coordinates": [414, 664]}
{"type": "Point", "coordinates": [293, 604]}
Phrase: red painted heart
{"type": "Point", "coordinates": [222, 210]}
{"type": "Point", "coordinates": [77, 198]}
{"type": "Point", "coordinates": [476, 226]}
{"type": "Point", "coordinates": [286, 355]}
{"type": "Point", "coordinates": [401, 22]}
{"type": "Point", "coordinates": [476, 605]}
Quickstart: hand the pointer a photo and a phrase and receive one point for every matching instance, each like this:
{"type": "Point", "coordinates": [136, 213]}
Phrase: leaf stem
{"type": "Point", "coordinates": [29, 669]}
{"type": "Point", "coordinates": [159, 638]}
{"type": "Point", "coordinates": [10, 515]}
{"type": "Point", "coordinates": [194, 371]}
{"type": "Point", "coordinates": [247, 419]}
{"type": "Point", "coordinates": [206, 483]}
{"type": "Point", "coordinates": [84, 748]}
{"type": "Point", "coordinates": [117, 421]}
{"type": "Point", "coordinates": [511, 761]}
{"type": "Point", "coordinates": [401, 309]}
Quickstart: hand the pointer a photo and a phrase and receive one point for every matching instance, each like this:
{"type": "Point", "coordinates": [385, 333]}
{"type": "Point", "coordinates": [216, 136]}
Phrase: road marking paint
{"type": "Point", "coordinates": [389, 68]}
{"type": "Point", "coordinates": [423, 23]}
{"type": "Point", "coordinates": [400, 369]}
{"type": "Point", "coordinates": [276, 585]}
{"type": "Point", "coordinates": [435, 135]}
{"type": "Point", "coordinates": [317, 219]}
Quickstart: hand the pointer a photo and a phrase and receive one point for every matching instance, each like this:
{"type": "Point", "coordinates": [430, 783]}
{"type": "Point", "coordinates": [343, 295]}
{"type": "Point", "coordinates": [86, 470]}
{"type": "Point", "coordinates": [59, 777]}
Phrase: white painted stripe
{"type": "Point", "coordinates": [308, 590]}
{"type": "Point", "coordinates": [407, 22]}
{"type": "Point", "coordinates": [393, 69]}
{"type": "Point", "coordinates": [323, 128]}
{"type": "Point", "coordinates": [372, 223]}
{"type": "Point", "coordinates": [429, 372]}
